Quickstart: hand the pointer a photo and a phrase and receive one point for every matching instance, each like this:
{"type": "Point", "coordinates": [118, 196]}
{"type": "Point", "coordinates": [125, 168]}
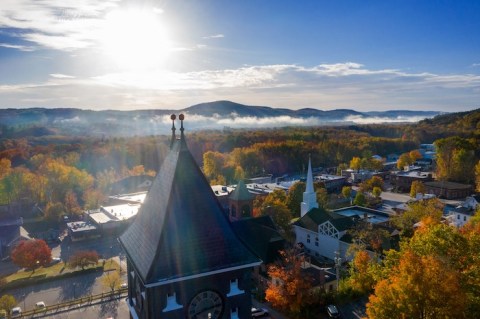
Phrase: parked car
{"type": "Point", "coordinates": [259, 313]}
{"type": "Point", "coordinates": [17, 311]}
{"type": "Point", "coordinates": [332, 311]}
{"type": "Point", "coordinates": [40, 305]}
{"type": "Point", "coordinates": [55, 260]}
{"type": "Point", "coordinates": [124, 285]}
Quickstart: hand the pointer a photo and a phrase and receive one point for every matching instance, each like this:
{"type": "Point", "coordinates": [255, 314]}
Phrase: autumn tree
{"type": "Point", "coordinates": [404, 160]}
{"type": "Point", "coordinates": [356, 163]}
{"type": "Point", "coordinates": [32, 254]}
{"type": "Point", "coordinates": [71, 204]}
{"type": "Point", "coordinates": [112, 280]}
{"type": "Point", "coordinates": [322, 196]}
{"type": "Point", "coordinates": [362, 273]}
{"type": "Point", "coordinates": [93, 198]}
{"type": "Point", "coordinates": [419, 287]}
{"type": "Point", "coordinates": [477, 176]}
{"type": "Point", "coordinates": [347, 192]}
{"type": "Point", "coordinates": [416, 211]}
{"type": "Point", "coordinates": [83, 259]}
{"type": "Point", "coordinates": [290, 287]}
{"type": "Point", "coordinates": [455, 159]}
{"type": "Point", "coordinates": [376, 191]}
{"type": "Point", "coordinates": [295, 197]}
{"type": "Point", "coordinates": [369, 184]}
{"type": "Point", "coordinates": [417, 188]}
{"type": "Point", "coordinates": [7, 303]}
{"type": "Point", "coordinates": [54, 211]}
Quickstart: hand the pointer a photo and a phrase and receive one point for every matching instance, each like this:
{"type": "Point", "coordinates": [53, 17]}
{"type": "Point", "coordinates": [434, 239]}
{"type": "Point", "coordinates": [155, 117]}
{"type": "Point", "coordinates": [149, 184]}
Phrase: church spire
{"type": "Point", "coordinates": [309, 196]}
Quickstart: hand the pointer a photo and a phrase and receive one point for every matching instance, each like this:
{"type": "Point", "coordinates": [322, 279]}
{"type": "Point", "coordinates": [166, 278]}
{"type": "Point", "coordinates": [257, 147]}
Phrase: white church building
{"type": "Point", "coordinates": [325, 233]}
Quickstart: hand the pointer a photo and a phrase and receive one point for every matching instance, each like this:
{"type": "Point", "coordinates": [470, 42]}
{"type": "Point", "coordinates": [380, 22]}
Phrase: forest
{"type": "Point", "coordinates": [78, 171]}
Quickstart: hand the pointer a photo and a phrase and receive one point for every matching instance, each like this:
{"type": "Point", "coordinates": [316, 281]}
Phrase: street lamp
{"type": "Point", "coordinates": [74, 284]}
{"type": "Point", "coordinates": [24, 297]}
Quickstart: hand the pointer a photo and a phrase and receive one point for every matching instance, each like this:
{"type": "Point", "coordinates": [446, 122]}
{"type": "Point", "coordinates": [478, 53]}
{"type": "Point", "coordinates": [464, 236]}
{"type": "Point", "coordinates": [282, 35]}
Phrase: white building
{"type": "Point", "coordinates": [322, 232]}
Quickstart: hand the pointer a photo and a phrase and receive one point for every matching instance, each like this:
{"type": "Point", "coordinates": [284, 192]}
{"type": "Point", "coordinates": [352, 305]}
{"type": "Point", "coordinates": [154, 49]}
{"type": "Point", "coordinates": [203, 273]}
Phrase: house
{"type": "Point", "coordinates": [323, 233]}
{"type": "Point", "coordinates": [461, 214]}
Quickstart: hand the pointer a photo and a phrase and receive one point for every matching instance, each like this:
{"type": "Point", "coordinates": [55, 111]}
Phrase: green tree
{"type": "Point", "coordinates": [360, 199]}
{"type": "Point", "coordinates": [7, 303]}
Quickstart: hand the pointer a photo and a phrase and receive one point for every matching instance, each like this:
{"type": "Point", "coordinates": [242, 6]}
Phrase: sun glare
{"type": "Point", "coordinates": [135, 39]}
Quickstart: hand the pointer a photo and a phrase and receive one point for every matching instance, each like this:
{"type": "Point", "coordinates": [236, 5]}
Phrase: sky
{"type": "Point", "coordinates": [170, 54]}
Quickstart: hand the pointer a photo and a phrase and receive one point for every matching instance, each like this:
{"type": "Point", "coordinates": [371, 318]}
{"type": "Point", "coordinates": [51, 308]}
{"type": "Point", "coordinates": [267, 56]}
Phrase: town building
{"type": "Point", "coordinates": [403, 180]}
{"type": "Point", "coordinates": [448, 190]}
{"type": "Point", "coordinates": [184, 260]}
{"type": "Point", "coordinates": [323, 234]}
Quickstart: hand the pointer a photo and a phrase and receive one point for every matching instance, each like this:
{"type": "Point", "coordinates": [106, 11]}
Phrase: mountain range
{"type": "Point", "coordinates": [211, 115]}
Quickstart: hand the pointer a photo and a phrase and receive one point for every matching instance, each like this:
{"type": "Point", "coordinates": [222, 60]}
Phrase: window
{"type": "Point", "coordinates": [234, 290]}
{"type": "Point", "coordinates": [458, 216]}
{"type": "Point", "coordinates": [464, 218]}
{"type": "Point", "coordinates": [308, 238]}
{"type": "Point", "coordinates": [172, 303]}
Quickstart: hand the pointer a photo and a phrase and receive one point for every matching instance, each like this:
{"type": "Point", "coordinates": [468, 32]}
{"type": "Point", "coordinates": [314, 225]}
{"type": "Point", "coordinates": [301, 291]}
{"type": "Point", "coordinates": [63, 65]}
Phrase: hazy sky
{"type": "Point", "coordinates": [363, 55]}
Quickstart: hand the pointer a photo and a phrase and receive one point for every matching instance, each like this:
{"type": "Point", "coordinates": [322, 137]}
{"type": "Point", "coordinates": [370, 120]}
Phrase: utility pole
{"type": "Point", "coordinates": [338, 264]}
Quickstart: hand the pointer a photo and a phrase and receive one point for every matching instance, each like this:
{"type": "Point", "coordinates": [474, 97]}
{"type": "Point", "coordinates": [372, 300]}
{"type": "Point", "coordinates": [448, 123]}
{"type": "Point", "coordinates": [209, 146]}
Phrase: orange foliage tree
{"type": "Point", "coordinates": [32, 254]}
{"type": "Point", "coordinates": [83, 259]}
{"type": "Point", "coordinates": [290, 288]}
{"type": "Point", "coordinates": [419, 287]}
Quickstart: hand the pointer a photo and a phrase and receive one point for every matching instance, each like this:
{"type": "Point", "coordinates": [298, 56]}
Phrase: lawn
{"type": "Point", "coordinates": [57, 270]}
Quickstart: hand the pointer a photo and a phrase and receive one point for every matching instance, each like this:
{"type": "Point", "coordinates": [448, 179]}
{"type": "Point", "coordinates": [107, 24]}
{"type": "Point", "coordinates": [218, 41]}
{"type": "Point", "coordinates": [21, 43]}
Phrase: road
{"type": "Point", "coordinates": [60, 290]}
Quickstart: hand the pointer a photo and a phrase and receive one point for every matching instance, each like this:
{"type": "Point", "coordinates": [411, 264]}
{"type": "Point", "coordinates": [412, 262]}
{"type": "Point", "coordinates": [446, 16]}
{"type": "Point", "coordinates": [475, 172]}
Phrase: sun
{"type": "Point", "coordinates": [135, 39]}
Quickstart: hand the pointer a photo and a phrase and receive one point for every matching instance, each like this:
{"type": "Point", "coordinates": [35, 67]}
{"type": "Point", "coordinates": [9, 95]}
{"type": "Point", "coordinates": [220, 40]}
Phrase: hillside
{"type": "Point", "coordinates": [212, 115]}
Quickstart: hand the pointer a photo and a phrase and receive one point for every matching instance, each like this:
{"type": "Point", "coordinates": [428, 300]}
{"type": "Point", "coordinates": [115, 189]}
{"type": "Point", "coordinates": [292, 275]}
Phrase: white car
{"type": "Point", "coordinates": [17, 311]}
{"type": "Point", "coordinates": [40, 305]}
{"type": "Point", "coordinates": [124, 285]}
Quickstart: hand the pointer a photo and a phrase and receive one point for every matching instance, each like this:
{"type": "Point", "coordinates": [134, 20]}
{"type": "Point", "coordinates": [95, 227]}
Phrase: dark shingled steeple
{"type": "Point", "coordinates": [181, 229]}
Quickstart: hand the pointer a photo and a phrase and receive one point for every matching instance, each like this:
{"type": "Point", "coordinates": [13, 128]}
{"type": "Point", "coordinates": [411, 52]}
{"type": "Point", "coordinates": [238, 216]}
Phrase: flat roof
{"type": "Point", "coordinates": [80, 226]}
{"type": "Point", "coordinates": [374, 217]}
{"type": "Point", "coordinates": [122, 211]}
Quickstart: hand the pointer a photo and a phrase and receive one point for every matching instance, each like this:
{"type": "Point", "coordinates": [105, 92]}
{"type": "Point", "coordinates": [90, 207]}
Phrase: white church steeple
{"type": "Point", "coordinates": [309, 196]}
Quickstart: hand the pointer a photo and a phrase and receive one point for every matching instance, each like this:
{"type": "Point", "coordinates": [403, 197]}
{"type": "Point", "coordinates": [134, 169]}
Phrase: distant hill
{"type": "Point", "coordinates": [211, 115]}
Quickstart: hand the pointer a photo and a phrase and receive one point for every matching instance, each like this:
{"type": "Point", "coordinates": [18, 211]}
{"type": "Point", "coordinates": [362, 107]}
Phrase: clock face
{"type": "Point", "coordinates": [207, 304]}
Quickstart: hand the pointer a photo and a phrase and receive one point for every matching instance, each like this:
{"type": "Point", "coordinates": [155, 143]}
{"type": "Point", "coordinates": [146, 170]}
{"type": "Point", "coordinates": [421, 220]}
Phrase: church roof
{"type": "Point", "coordinates": [261, 236]}
{"type": "Point", "coordinates": [181, 229]}
{"type": "Point", "coordinates": [241, 192]}
{"type": "Point", "coordinates": [318, 216]}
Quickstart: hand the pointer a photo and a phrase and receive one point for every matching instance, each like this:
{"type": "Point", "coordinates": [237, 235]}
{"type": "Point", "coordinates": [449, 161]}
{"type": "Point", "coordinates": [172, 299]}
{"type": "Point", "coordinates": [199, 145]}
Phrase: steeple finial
{"type": "Point", "coordinates": [173, 117]}
{"type": "Point", "coordinates": [181, 118]}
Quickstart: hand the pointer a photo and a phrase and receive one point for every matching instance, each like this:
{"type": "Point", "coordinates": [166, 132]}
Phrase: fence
{"type": "Point", "coordinates": [79, 302]}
